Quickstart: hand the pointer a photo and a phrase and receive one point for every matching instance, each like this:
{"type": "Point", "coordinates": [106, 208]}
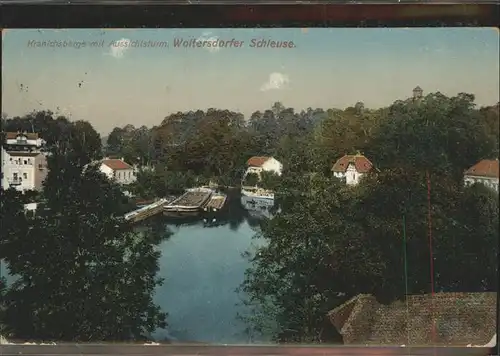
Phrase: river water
{"type": "Point", "coordinates": [202, 264]}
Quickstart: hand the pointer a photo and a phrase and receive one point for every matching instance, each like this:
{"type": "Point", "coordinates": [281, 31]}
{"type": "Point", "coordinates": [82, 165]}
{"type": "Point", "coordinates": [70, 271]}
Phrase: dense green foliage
{"type": "Point", "coordinates": [327, 243]}
{"type": "Point", "coordinates": [251, 180]}
{"type": "Point", "coordinates": [83, 274]}
{"type": "Point", "coordinates": [330, 242]}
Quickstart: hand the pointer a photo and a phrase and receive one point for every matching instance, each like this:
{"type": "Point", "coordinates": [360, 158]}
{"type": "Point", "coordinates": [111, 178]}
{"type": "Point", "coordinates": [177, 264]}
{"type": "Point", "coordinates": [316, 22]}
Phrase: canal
{"type": "Point", "coordinates": [202, 267]}
{"type": "Point", "coordinates": [202, 264]}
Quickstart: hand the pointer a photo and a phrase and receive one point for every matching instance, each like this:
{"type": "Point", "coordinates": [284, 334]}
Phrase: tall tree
{"type": "Point", "coordinates": [466, 259]}
{"type": "Point", "coordinates": [114, 144]}
{"type": "Point", "coordinates": [436, 133]}
{"type": "Point", "coordinates": [49, 127]}
{"type": "Point", "coordinates": [313, 259]}
{"type": "Point", "coordinates": [85, 275]}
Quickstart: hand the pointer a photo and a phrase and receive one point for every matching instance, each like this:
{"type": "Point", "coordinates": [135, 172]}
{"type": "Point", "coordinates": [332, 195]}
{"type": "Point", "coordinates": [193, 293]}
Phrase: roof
{"type": "Point", "coordinates": [257, 161]}
{"type": "Point", "coordinates": [485, 168]}
{"type": "Point", "coordinates": [361, 163]}
{"type": "Point", "coordinates": [116, 164]}
{"type": "Point", "coordinates": [22, 154]}
{"type": "Point", "coordinates": [13, 135]}
{"type": "Point", "coordinates": [460, 319]}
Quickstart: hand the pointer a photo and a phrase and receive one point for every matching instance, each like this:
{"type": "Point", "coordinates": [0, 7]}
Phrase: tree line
{"type": "Point", "coordinates": [214, 145]}
{"type": "Point", "coordinates": [328, 242]}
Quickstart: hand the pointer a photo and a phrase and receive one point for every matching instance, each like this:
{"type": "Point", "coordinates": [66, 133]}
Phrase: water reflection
{"type": "Point", "coordinates": [202, 264]}
{"type": "Point", "coordinates": [257, 207]}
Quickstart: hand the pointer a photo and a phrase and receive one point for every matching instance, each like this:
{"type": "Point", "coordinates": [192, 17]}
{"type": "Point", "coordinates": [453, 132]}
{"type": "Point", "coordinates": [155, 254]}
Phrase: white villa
{"type": "Point", "coordinates": [24, 165]}
{"type": "Point", "coordinates": [351, 168]}
{"type": "Point", "coordinates": [119, 170]}
{"type": "Point", "coordinates": [484, 172]}
{"type": "Point", "coordinates": [263, 164]}
{"type": "Point", "coordinates": [257, 165]}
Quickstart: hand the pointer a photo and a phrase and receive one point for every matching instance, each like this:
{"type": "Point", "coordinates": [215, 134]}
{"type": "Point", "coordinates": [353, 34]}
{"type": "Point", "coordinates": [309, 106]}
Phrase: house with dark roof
{"type": "Point", "coordinates": [351, 168]}
{"type": "Point", "coordinates": [458, 319]}
{"type": "Point", "coordinates": [119, 170]}
{"type": "Point", "coordinates": [485, 172]}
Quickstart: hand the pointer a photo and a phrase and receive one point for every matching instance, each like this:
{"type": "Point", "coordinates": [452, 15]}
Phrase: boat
{"type": "Point", "coordinates": [146, 211]}
{"type": "Point", "coordinates": [216, 203]}
{"type": "Point", "coordinates": [191, 203]}
{"type": "Point", "coordinates": [257, 193]}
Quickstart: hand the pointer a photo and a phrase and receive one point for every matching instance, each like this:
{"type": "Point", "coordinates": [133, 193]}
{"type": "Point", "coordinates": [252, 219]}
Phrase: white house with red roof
{"type": "Point", "coordinates": [351, 168]}
{"type": "Point", "coordinates": [485, 172]}
{"type": "Point", "coordinates": [119, 170]}
{"type": "Point", "coordinates": [260, 197]}
{"type": "Point", "coordinates": [258, 164]}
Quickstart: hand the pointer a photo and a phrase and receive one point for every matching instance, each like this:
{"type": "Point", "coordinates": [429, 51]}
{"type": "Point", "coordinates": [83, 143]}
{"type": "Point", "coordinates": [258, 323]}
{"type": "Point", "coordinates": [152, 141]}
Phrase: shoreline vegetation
{"type": "Point", "coordinates": [85, 276]}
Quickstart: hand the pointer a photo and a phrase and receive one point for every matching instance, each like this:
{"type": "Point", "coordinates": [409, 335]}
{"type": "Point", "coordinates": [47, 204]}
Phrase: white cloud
{"type": "Point", "coordinates": [118, 48]}
{"type": "Point", "coordinates": [276, 81]}
{"type": "Point", "coordinates": [206, 36]}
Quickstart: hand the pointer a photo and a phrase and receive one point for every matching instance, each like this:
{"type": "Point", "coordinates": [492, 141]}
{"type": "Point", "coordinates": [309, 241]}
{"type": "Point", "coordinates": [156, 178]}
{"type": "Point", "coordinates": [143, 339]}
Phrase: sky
{"type": "Point", "coordinates": [110, 78]}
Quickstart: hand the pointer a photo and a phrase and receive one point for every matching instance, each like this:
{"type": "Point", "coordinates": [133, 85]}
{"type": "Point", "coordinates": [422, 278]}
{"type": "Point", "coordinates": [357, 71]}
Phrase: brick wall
{"type": "Point", "coordinates": [447, 319]}
{"type": "Point", "coordinates": [455, 319]}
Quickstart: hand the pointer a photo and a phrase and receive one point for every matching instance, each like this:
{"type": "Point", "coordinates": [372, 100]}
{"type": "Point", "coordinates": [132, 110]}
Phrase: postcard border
{"type": "Point", "coordinates": [203, 16]}
{"type": "Point", "coordinates": [242, 16]}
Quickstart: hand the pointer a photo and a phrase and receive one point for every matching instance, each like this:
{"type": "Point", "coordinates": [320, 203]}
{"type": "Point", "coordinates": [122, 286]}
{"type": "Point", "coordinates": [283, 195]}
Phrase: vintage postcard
{"type": "Point", "coordinates": [241, 186]}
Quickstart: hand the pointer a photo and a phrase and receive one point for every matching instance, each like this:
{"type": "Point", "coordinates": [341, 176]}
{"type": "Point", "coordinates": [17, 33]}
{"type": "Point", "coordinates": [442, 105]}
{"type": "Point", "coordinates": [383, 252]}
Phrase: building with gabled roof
{"type": "Point", "coordinates": [485, 172]}
{"type": "Point", "coordinates": [351, 168]}
{"type": "Point", "coordinates": [257, 164]}
{"type": "Point", "coordinates": [118, 170]}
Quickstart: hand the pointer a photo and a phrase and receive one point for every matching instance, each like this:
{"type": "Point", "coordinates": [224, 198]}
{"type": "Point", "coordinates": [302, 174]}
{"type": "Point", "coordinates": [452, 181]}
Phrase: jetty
{"type": "Point", "coordinates": [146, 211]}
{"type": "Point", "coordinates": [192, 202]}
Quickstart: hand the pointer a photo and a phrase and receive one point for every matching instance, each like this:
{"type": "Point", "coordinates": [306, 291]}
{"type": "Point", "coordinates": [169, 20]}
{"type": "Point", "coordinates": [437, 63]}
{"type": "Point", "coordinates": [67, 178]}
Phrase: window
{"type": "Point", "coordinates": [25, 175]}
{"type": "Point", "coordinates": [15, 176]}
{"type": "Point", "coordinates": [25, 161]}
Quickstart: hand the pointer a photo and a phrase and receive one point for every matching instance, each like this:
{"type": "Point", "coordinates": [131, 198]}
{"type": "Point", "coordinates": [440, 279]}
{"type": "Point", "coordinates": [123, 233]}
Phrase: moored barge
{"type": "Point", "coordinates": [191, 203]}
